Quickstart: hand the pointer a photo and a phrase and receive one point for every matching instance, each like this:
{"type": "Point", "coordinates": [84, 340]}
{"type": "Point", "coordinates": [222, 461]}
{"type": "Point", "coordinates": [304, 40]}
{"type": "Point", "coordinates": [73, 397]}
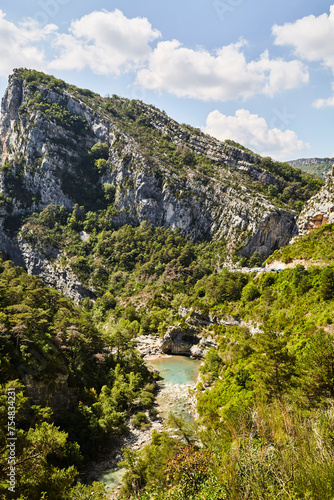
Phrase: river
{"type": "Point", "coordinates": [178, 373]}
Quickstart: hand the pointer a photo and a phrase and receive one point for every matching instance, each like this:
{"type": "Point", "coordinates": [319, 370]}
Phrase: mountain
{"type": "Point", "coordinates": [62, 146]}
{"type": "Point", "coordinates": [319, 167]}
{"type": "Point", "coordinates": [109, 199]}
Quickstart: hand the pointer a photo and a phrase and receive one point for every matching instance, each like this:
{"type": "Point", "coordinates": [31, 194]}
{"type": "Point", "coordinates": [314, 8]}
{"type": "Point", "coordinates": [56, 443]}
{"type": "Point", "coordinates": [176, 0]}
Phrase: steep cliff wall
{"type": "Point", "coordinates": [212, 190]}
{"type": "Point", "coordinates": [320, 208]}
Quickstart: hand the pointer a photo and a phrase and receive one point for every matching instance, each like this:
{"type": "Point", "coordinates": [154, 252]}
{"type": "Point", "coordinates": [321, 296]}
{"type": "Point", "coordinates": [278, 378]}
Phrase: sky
{"type": "Point", "coordinates": [259, 72]}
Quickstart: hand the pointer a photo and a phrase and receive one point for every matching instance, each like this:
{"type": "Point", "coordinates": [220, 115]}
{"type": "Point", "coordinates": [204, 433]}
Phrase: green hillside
{"type": "Point", "coordinates": [314, 247]}
{"type": "Point", "coordinates": [266, 418]}
{"type": "Point", "coordinates": [320, 167]}
{"type": "Point", "coordinates": [73, 397]}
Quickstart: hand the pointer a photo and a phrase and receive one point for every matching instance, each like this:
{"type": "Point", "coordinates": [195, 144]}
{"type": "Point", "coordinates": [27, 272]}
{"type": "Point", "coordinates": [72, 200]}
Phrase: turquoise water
{"type": "Point", "coordinates": [178, 373]}
{"type": "Point", "coordinates": [112, 478]}
{"type": "Point", "coordinates": [177, 369]}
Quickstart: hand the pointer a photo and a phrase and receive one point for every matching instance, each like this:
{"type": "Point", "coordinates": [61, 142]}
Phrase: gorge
{"type": "Point", "coordinates": [126, 235]}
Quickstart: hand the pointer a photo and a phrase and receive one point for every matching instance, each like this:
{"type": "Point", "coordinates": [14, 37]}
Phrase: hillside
{"type": "Point", "coordinates": [124, 162]}
{"type": "Point", "coordinates": [320, 167]}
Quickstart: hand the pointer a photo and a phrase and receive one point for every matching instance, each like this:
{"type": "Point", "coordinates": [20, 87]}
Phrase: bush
{"type": "Point", "coordinates": [140, 421]}
{"type": "Point", "coordinates": [146, 399]}
{"type": "Point", "coordinates": [250, 292]}
{"type": "Point", "coordinates": [100, 150]}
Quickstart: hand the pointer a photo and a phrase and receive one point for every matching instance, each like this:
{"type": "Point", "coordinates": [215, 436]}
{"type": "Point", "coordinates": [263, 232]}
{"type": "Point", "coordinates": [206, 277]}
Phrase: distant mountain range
{"type": "Point", "coordinates": [316, 166]}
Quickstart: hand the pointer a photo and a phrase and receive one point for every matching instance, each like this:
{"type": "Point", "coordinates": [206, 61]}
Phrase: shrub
{"type": "Point", "coordinates": [140, 421]}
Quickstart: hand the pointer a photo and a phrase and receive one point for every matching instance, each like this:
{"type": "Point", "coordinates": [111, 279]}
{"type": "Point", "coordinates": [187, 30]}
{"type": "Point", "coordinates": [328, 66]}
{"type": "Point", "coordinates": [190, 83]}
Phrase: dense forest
{"type": "Point", "coordinates": [265, 399]}
{"type": "Point", "coordinates": [265, 416]}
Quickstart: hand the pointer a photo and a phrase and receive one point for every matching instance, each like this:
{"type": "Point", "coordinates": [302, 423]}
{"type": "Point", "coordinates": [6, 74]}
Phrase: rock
{"type": "Point", "coordinates": [273, 232]}
{"type": "Point", "coordinates": [179, 341]}
{"type": "Point", "coordinates": [55, 393]}
{"type": "Point", "coordinates": [46, 158]}
{"type": "Point", "coordinates": [61, 278]}
{"type": "Point", "coordinates": [197, 351]}
{"type": "Point", "coordinates": [319, 209]}
{"type": "Point", "coordinates": [183, 311]}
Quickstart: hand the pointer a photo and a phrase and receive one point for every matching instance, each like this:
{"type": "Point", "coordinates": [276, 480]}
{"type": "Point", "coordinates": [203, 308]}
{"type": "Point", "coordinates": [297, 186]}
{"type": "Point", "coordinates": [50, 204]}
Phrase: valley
{"type": "Point", "coordinates": [131, 244]}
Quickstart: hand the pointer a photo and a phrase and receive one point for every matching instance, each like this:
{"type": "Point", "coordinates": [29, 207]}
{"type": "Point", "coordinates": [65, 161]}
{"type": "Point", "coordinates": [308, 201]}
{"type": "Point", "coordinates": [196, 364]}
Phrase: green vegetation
{"type": "Point", "coordinates": [316, 246]}
{"type": "Point", "coordinates": [57, 111]}
{"type": "Point", "coordinates": [122, 262]}
{"type": "Point", "coordinates": [78, 385]}
{"type": "Point", "coordinates": [265, 421]}
{"type": "Point", "coordinates": [294, 186]}
{"type": "Point", "coordinates": [35, 79]}
{"type": "Point", "coordinates": [266, 394]}
{"type": "Point", "coordinates": [320, 169]}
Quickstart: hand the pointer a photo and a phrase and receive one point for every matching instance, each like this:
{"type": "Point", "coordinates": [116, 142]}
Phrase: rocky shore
{"type": "Point", "coordinates": [168, 398]}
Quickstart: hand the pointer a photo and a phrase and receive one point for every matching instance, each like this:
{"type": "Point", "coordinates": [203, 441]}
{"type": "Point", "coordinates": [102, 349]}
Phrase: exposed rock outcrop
{"type": "Point", "coordinates": [53, 274]}
{"type": "Point", "coordinates": [179, 341]}
{"type": "Point", "coordinates": [46, 132]}
{"type": "Point", "coordinates": [189, 340]}
{"type": "Point", "coordinates": [319, 209]}
{"type": "Point", "coordinates": [54, 393]}
{"type": "Point", "coordinates": [275, 231]}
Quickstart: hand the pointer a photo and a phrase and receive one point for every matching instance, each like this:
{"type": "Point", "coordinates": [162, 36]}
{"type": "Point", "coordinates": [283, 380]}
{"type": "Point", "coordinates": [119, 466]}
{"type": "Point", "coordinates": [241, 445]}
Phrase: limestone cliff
{"type": "Point", "coordinates": [320, 208]}
{"type": "Point", "coordinates": [158, 171]}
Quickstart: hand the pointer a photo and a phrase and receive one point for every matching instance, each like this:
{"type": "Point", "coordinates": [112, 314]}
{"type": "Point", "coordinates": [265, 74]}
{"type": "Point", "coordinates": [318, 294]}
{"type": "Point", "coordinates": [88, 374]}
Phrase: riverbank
{"type": "Point", "coordinates": [178, 378]}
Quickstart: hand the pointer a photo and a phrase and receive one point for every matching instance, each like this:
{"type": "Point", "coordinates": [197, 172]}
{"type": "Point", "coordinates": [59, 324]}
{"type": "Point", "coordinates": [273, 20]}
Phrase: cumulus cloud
{"type": "Point", "coordinates": [312, 39]}
{"type": "Point", "coordinates": [222, 75]}
{"type": "Point", "coordinates": [105, 42]}
{"type": "Point", "coordinates": [324, 103]}
{"type": "Point", "coordinates": [254, 132]}
{"type": "Point", "coordinates": [19, 44]}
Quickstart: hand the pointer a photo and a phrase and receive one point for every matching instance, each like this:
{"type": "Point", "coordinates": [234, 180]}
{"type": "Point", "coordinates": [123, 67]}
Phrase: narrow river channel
{"type": "Point", "coordinates": [179, 374]}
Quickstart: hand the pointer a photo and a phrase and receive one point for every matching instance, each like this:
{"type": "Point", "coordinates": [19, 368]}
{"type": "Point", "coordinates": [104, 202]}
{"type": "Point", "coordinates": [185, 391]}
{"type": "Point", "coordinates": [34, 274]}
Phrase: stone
{"type": "Point", "coordinates": [319, 209]}
{"type": "Point", "coordinates": [199, 205]}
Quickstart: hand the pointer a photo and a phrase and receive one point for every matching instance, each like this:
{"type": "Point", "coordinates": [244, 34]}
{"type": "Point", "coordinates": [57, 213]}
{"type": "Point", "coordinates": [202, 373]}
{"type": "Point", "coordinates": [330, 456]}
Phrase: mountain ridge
{"type": "Point", "coordinates": [316, 166]}
{"type": "Point", "coordinates": [65, 146]}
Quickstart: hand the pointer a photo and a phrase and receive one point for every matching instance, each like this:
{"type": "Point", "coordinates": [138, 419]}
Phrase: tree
{"type": "Point", "coordinates": [121, 338]}
{"type": "Point", "coordinates": [274, 364]}
{"type": "Point", "coordinates": [317, 364]}
{"type": "Point", "coordinates": [100, 150]}
{"type": "Point", "coordinates": [327, 283]}
{"type": "Point", "coordinates": [250, 292]}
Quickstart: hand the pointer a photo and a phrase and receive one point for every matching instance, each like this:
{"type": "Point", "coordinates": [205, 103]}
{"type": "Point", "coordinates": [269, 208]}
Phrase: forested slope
{"type": "Point", "coordinates": [75, 386]}
{"type": "Point", "coordinates": [265, 399]}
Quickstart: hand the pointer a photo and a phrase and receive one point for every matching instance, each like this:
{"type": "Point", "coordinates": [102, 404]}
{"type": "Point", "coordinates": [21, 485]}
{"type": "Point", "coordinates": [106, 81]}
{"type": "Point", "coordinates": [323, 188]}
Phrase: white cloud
{"type": "Point", "coordinates": [311, 37]}
{"type": "Point", "coordinates": [324, 103]}
{"type": "Point", "coordinates": [19, 44]}
{"type": "Point", "coordinates": [222, 76]}
{"type": "Point", "coordinates": [253, 132]}
{"type": "Point", "coordinates": [105, 42]}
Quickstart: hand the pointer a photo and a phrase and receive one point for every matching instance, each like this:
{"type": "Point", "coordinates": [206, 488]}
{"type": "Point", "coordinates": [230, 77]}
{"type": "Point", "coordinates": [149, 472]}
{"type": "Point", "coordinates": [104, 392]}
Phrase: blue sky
{"type": "Point", "coordinates": [259, 72]}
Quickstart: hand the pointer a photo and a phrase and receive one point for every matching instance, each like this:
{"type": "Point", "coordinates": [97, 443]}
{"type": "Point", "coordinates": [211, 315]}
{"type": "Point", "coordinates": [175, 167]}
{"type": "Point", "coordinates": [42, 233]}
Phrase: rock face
{"type": "Point", "coordinates": [189, 340]}
{"type": "Point", "coordinates": [309, 161]}
{"type": "Point", "coordinates": [55, 393]}
{"type": "Point", "coordinates": [275, 231]}
{"type": "Point", "coordinates": [179, 341]}
{"type": "Point", "coordinates": [185, 342]}
{"type": "Point", "coordinates": [53, 274]}
{"type": "Point", "coordinates": [46, 132]}
{"type": "Point", "coordinates": [319, 209]}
